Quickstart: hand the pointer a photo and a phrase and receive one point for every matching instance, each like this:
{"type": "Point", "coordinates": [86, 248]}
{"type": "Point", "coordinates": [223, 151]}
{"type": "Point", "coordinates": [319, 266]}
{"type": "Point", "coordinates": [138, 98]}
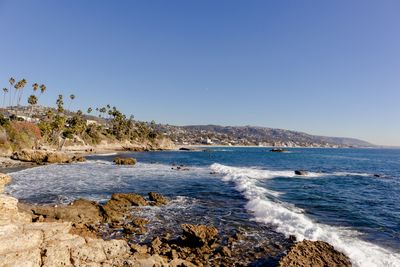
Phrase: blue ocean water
{"type": "Point", "coordinates": [341, 201]}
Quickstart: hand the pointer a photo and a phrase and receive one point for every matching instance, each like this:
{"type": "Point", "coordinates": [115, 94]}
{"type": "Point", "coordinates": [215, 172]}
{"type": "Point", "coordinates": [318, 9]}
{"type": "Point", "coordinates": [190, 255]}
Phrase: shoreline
{"type": "Point", "coordinates": [82, 233]}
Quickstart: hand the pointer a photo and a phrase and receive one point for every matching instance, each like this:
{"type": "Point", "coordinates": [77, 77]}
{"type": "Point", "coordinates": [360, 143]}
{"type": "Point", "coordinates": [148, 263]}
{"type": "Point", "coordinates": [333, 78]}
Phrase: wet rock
{"type": "Point", "coordinates": [278, 150]}
{"type": "Point", "coordinates": [138, 248]}
{"type": "Point", "coordinates": [79, 158]}
{"type": "Point", "coordinates": [225, 251]}
{"type": "Point", "coordinates": [377, 175]}
{"type": "Point", "coordinates": [155, 245]}
{"type": "Point", "coordinates": [133, 198]}
{"type": "Point", "coordinates": [137, 226]}
{"type": "Point", "coordinates": [58, 157]}
{"type": "Point", "coordinates": [199, 235]}
{"type": "Point", "coordinates": [124, 161]}
{"type": "Point", "coordinates": [314, 253]}
{"type": "Point", "coordinates": [301, 172]}
{"type": "Point", "coordinates": [158, 199]}
{"type": "Point", "coordinates": [140, 222]}
{"type": "Point", "coordinates": [117, 208]}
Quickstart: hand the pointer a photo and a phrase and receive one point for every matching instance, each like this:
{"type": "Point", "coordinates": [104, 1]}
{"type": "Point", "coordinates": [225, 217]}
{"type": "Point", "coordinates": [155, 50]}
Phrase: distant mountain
{"type": "Point", "coordinates": [252, 135]}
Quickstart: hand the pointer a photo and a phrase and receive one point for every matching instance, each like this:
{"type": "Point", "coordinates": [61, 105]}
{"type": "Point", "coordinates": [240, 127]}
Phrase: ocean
{"type": "Point", "coordinates": [350, 197]}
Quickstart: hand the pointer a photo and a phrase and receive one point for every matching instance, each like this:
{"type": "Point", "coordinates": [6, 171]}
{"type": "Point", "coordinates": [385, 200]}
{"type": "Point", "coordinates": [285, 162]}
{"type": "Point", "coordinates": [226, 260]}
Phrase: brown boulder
{"type": "Point", "coordinates": [41, 156]}
{"type": "Point", "coordinates": [30, 155]}
{"type": "Point", "coordinates": [199, 235]}
{"type": "Point", "coordinates": [79, 211]}
{"type": "Point", "coordinates": [314, 253]}
{"type": "Point", "coordinates": [124, 161]}
{"type": "Point", "coordinates": [158, 199]}
{"type": "Point", "coordinates": [116, 209]}
{"type": "Point", "coordinates": [134, 199]}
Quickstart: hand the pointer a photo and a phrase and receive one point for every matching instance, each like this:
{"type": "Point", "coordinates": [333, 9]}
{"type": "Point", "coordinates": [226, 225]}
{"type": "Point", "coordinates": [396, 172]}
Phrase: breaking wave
{"type": "Point", "coordinates": [292, 221]}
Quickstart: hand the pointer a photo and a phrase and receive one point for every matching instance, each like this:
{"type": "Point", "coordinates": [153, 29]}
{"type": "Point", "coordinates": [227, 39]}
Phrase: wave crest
{"type": "Point", "coordinates": [291, 221]}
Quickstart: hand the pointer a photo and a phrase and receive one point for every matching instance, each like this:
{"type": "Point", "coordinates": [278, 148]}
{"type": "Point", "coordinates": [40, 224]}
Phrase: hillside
{"type": "Point", "coordinates": [251, 135]}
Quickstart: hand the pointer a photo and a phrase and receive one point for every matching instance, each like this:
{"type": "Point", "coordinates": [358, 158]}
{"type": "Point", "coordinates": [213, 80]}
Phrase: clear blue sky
{"type": "Point", "coordinates": [323, 67]}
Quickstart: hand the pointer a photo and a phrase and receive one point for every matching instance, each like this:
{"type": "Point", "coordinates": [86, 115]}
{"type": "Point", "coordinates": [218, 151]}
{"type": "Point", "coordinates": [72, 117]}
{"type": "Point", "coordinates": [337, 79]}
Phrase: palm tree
{"type": "Point", "coordinates": [35, 87]}
{"type": "Point", "coordinates": [32, 100]}
{"type": "Point", "coordinates": [21, 87]}
{"type": "Point", "coordinates": [42, 90]}
{"type": "Point", "coordinates": [5, 90]}
{"type": "Point", "coordinates": [89, 110]}
{"type": "Point", "coordinates": [11, 81]}
{"type": "Point", "coordinates": [17, 86]}
{"type": "Point", "coordinates": [60, 104]}
{"type": "Point", "coordinates": [72, 97]}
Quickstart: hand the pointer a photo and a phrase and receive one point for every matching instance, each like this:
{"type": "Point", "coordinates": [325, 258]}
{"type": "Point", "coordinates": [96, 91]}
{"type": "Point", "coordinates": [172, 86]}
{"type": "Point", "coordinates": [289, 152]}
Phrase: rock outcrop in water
{"type": "Point", "coordinates": [301, 172]}
{"type": "Point", "coordinates": [314, 253]}
{"type": "Point", "coordinates": [42, 156]}
{"type": "Point", "coordinates": [158, 199]}
{"type": "Point", "coordinates": [124, 161]}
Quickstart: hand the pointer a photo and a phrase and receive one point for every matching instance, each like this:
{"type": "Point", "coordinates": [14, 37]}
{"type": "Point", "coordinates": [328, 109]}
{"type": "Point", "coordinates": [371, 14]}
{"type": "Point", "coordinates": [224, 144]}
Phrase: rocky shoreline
{"type": "Point", "coordinates": [26, 158]}
{"type": "Point", "coordinates": [87, 233]}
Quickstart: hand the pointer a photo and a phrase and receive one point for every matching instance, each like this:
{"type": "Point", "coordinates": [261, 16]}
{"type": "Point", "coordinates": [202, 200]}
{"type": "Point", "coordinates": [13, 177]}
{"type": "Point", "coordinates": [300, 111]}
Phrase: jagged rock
{"type": "Point", "coordinates": [301, 172]}
{"type": "Point", "coordinates": [4, 180]}
{"type": "Point", "coordinates": [116, 249]}
{"type": "Point", "coordinates": [58, 157]}
{"type": "Point", "coordinates": [155, 245]}
{"type": "Point", "coordinates": [199, 235]}
{"type": "Point", "coordinates": [225, 251]}
{"type": "Point", "coordinates": [139, 222]}
{"type": "Point", "coordinates": [79, 158]}
{"type": "Point", "coordinates": [137, 226]}
{"type": "Point", "coordinates": [9, 212]}
{"type": "Point", "coordinates": [314, 253]}
{"type": "Point", "coordinates": [138, 248]}
{"type": "Point", "coordinates": [134, 199]}
{"type": "Point", "coordinates": [124, 161]}
{"type": "Point", "coordinates": [116, 208]}
{"type": "Point", "coordinates": [30, 155]}
{"type": "Point", "coordinates": [181, 263]}
{"type": "Point", "coordinates": [41, 156]}
{"type": "Point", "coordinates": [79, 211]}
{"type": "Point", "coordinates": [158, 199]}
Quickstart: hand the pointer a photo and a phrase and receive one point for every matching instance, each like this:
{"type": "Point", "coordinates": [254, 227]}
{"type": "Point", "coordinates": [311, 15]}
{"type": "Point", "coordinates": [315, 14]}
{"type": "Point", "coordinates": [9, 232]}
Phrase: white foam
{"type": "Point", "coordinates": [68, 181]}
{"type": "Point", "coordinates": [106, 154]}
{"type": "Point", "coordinates": [293, 222]}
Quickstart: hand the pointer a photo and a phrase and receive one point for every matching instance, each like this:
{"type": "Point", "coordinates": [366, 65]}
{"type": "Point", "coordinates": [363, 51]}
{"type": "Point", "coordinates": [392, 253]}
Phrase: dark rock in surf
{"type": "Point", "coordinates": [314, 253]}
{"type": "Point", "coordinates": [301, 172]}
{"type": "Point", "coordinates": [124, 161]}
{"type": "Point", "coordinates": [199, 235]}
{"type": "Point", "coordinates": [116, 209]}
{"type": "Point", "coordinates": [278, 150]}
{"type": "Point", "coordinates": [158, 199]}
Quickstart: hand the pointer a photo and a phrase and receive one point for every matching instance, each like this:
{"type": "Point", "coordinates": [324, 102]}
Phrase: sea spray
{"type": "Point", "coordinates": [294, 222]}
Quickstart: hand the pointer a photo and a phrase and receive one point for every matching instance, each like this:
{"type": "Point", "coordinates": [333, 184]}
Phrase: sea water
{"type": "Point", "coordinates": [350, 197]}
